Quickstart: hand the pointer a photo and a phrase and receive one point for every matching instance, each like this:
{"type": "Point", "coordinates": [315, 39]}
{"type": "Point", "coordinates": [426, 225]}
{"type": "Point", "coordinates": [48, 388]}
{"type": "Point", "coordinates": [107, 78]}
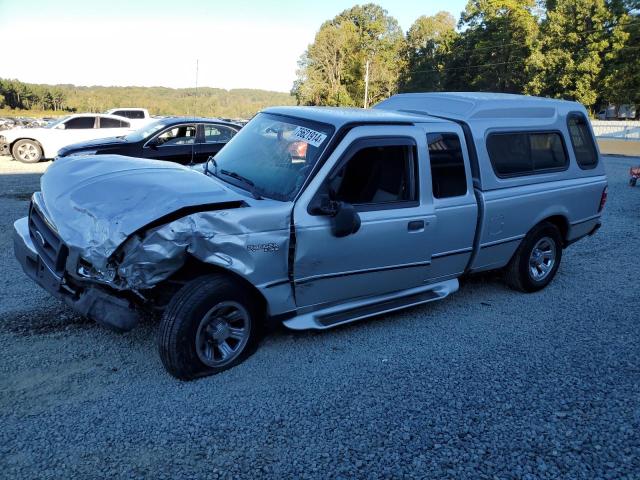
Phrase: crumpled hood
{"type": "Point", "coordinates": [89, 144]}
{"type": "Point", "coordinates": [95, 203]}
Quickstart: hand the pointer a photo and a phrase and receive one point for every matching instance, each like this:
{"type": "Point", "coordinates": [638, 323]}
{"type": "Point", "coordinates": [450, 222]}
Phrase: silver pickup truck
{"type": "Point", "coordinates": [315, 217]}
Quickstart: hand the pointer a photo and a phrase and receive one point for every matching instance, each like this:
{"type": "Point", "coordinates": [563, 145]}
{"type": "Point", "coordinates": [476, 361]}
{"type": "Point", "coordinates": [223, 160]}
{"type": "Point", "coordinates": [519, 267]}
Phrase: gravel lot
{"type": "Point", "coordinates": [487, 384]}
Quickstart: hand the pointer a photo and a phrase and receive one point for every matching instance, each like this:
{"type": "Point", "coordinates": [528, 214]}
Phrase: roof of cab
{"type": "Point", "coordinates": [477, 105]}
{"type": "Point", "coordinates": [339, 116]}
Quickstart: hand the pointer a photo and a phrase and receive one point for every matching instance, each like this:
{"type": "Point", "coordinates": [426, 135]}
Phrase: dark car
{"type": "Point", "coordinates": [181, 140]}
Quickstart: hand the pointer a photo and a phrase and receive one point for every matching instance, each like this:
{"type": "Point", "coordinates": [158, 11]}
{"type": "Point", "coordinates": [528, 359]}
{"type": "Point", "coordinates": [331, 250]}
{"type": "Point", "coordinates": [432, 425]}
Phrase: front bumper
{"type": "Point", "coordinates": [92, 301]}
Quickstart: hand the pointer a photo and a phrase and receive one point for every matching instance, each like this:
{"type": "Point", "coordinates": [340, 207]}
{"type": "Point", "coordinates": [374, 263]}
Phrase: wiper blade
{"type": "Point", "coordinates": [245, 180]}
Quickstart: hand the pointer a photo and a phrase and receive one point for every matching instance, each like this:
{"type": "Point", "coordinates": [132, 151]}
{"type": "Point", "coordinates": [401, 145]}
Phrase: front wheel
{"type": "Point", "coordinates": [537, 259]}
{"type": "Point", "coordinates": [210, 325]}
{"type": "Point", "coordinates": [27, 151]}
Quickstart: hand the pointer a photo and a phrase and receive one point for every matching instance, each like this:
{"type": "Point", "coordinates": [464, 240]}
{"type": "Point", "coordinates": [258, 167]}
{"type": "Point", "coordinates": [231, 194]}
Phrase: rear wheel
{"type": "Point", "coordinates": [536, 261]}
{"type": "Point", "coordinates": [27, 151]}
{"type": "Point", "coordinates": [210, 325]}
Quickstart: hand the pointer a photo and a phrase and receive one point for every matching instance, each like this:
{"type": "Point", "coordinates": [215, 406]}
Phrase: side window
{"type": "Point", "coordinates": [547, 151]}
{"type": "Point", "coordinates": [218, 133]}
{"type": "Point", "coordinates": [106, 122]}
{"type": "Point", "coordinates": [122, 113]}
{"type": "Point", "coordinates": [448, 177]}
{"type": "Point", "coordinates": [525, 153]}
{"type": "Point", "coordinates": [583, 144]}
{"type": "Point", "coordinates": [180, 135]}
{"type": "Point", "coordinates": [136, 114]}
{"type": "Point", "coordinates": [378, 175]}
{"type": "Point", "coordinates": [79, 123]}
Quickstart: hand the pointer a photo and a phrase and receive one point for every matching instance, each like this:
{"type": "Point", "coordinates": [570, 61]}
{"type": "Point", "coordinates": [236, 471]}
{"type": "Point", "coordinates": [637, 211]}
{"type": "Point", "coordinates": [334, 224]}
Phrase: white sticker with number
{"type": "Point", "coordinates": [307, 135]}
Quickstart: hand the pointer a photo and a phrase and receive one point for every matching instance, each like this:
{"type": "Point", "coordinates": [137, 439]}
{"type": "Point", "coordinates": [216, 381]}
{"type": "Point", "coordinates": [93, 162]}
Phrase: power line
{"type": "Point", "coordinates": [520, 59]}
{"type": "Point", "coordinates": [502, 45]}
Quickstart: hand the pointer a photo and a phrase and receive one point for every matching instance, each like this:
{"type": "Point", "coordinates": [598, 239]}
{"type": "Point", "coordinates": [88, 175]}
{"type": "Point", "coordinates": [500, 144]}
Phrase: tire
{"type": "Point", "coordinates": [530, 270]}
{"type": "Point", "coordinates": [202, 316]}
{"type": "Point", "coordinates": [27, 151]}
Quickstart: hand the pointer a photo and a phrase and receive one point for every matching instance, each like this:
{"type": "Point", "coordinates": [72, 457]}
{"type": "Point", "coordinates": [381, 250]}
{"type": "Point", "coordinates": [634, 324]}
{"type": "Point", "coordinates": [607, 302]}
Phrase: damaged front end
{"type": "Point", "coordinates": [44, 258]}
{"type": "Point", "coordinates": [109, 260]}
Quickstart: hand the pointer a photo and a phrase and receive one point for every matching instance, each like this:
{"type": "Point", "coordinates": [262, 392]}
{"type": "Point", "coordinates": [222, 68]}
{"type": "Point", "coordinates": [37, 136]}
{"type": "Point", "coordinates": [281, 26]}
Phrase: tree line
{"type": "Point", "coordinates": [18, 95]}
{"type": "Point", "coordinates": [585, 50]}
{"type": "Point", "coordinates": [235, 103]}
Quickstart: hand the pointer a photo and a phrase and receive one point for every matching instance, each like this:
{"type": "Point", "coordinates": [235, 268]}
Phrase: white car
{"type": "Point", "coordinates": [30, 145]}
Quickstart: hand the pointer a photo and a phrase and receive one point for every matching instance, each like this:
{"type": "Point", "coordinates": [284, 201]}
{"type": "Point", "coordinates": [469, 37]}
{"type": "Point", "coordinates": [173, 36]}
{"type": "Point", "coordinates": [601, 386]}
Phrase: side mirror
{"type": "Point", "coordinates": [153, 144]}
{"type": "Point", "coordinates": [344, 217]}
{"type": "Point", "coordinates": [346, 221]}
{"type": "Point", "coordinates": [62, 126]}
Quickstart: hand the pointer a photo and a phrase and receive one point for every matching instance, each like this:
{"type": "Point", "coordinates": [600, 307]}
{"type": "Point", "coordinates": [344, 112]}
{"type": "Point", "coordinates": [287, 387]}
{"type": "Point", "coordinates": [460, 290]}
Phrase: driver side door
{"type": "Point", "coordinates": [379, 171]}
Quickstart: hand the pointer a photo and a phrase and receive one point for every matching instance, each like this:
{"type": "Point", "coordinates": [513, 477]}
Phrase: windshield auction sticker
{"type": "Point", "coordinates": [307, 135]}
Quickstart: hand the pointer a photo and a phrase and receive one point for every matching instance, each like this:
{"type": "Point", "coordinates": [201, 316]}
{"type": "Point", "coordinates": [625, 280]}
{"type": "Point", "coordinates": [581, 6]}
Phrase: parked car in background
{"type": "Point", "coordinates": [30, 145]}
{"type": "Point", "coordinates": [627, 112]}
{"type": "Point", "coordinates": [181, 140]}
{"type": "Point", "coordinates": [137, 116]}
{"type": "Point", "coordinates": [316, 217]}
{"type": "Point", "coordinates": [613, 112]}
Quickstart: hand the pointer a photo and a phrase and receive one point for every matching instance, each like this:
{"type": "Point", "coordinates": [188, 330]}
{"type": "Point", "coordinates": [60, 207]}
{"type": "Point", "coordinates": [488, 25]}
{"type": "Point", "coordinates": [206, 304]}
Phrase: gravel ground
{"type": "Point", "coordinates": [488, 384]}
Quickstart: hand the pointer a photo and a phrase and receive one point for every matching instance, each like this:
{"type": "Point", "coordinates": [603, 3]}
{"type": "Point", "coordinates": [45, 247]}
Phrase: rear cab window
{"type": "Point", "coordinates": [584, 146]}
{"type": "Point", "coordinates": [448, 176]}
{"type": "Point", "coordinates": [526, 153]}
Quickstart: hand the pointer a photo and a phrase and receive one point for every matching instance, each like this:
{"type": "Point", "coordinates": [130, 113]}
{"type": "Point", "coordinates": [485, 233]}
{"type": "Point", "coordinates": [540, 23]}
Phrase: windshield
{"type": "Point", "coordinates": [56, 122]}
{"type": "Point", "coordinates": [145, 131]}
{"type": "Point", "coordinates": [274, 153]}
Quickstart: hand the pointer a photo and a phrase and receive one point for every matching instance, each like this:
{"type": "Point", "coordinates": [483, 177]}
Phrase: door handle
{"type": "Point", "coordinates": [415, 225]}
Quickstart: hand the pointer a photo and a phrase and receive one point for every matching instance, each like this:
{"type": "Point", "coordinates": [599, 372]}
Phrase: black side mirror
{"type": "Point", "coordinates": [346, 221]}
{"type": "Point", "coordinates": [344, 217]}
{"type": "Point", "coordinates": [324, 205]}
{"type": "Point", "coordinates": [153, 144]}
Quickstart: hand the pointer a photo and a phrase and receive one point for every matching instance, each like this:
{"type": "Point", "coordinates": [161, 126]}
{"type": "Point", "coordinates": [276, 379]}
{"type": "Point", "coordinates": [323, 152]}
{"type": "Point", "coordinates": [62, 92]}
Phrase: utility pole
{"type": "Point", "coordinates": [366, 85]}
{"type": "Point", "coordinates": [195, 97]}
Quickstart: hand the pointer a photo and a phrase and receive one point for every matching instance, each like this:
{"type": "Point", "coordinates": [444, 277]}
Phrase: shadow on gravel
{"type": "Point", "coordinates": [23, 197]}
{"type": "Point", "coordinates": [42, 321]}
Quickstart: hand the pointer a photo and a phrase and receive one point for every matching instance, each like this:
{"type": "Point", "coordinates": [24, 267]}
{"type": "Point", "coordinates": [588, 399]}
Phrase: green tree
{"type": "Point", "coordinates": [621, 70]}
{"type": "Point", "coordinates": [427, 48]}
{"type": "Point", "coordinates": [333, 69]}
{"type": "Point", "coordinates": [323, 69]}
{"type": "Point", "coordinates": [494, 51]}
{"type": "Point", "coordinates": [577, 37]}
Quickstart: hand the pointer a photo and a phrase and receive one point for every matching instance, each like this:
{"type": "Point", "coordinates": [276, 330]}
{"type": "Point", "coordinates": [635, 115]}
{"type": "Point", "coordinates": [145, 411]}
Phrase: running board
{"type": "Point", "coordinates": [368, 307]}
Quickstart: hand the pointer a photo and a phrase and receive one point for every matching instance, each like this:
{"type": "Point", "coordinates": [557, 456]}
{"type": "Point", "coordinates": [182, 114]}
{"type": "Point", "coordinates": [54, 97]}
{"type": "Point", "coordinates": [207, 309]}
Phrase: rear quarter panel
{"type": "Point", "coordinates": [511, 212]}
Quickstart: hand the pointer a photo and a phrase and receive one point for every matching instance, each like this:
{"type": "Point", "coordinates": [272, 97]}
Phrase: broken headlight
{"type": "Point", "coordinates": [106, 275]}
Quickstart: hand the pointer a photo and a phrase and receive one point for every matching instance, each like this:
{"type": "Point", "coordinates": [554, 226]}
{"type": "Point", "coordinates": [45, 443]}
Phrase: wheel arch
{"type": "Point", "coordinates": [194, 267]}
{"type": "Point", "coordinates": [558, 220]}
{"type": "Point", "coordinates": [561, 222]}
{"type": "Point", "coordinates": [11, 145]}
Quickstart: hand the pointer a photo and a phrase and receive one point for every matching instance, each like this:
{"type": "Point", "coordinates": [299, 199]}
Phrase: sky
{"type": "Point", "coordinates": [236, 43]}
